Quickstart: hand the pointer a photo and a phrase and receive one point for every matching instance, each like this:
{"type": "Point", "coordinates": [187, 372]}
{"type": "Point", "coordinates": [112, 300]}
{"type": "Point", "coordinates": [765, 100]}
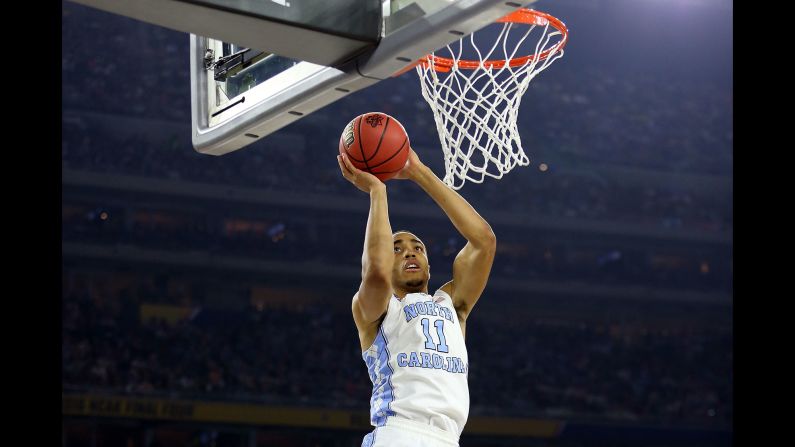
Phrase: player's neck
{"type": "Point", "coordinates": [401, 293]}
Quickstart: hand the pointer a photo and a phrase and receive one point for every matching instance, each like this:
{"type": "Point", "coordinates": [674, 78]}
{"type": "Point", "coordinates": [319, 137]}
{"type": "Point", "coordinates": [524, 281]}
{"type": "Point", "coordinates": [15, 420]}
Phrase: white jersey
{"type": "Point", "coordinates": [418, 364]}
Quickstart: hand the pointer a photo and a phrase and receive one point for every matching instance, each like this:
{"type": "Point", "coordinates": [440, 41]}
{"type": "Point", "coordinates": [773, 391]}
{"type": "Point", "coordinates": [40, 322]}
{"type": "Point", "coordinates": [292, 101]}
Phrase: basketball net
{"type": "Point", "coordinates": [475, 102]}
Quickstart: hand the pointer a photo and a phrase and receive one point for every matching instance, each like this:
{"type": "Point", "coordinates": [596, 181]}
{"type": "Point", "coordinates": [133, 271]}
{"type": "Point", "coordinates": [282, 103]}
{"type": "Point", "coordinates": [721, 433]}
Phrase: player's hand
{"type": "Point", "coordinates": [411, 168]}
{"type": "Point", "coordinates": [361, 179]}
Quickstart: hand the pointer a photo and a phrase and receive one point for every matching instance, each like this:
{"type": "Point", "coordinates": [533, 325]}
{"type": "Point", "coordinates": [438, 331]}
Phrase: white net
{"type": "Point", "coordinates": [475, 102]}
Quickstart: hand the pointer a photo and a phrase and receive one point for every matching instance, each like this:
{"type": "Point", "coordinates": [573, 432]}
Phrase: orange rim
{"type": "Point", "coordinates": [524, 15]}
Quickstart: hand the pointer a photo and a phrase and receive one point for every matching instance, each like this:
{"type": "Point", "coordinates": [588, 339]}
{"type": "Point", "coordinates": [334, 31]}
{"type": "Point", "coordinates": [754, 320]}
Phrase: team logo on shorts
{"type": "Point", "coordinates": [374, 120]}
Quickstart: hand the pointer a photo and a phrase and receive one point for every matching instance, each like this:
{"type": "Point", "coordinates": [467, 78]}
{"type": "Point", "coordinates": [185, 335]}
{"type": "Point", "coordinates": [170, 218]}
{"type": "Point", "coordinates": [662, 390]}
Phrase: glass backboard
{"type": "Point", "coordinates": [263, 92]}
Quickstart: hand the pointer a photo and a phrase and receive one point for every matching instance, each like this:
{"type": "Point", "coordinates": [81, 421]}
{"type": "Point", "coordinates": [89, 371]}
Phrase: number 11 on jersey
{"type": "Point", "coordinates": [429, 344]}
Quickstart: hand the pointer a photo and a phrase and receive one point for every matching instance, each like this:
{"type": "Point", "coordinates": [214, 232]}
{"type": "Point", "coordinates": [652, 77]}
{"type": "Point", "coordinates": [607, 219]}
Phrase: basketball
{"type": "Point", "coordinates": [377, 143]}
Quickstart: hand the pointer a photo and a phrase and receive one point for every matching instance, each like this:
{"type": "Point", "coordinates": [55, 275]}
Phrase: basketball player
{"type": "Point", "coordinates": [413, 342]}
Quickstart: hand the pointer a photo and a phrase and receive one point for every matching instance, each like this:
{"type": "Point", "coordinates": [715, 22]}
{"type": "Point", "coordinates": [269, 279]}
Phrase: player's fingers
{"type": "Point", "coordinates": [349, 165]}
{"type": "Point", "coordinates": [352, 170]}
{"type": "Point", "coordinates": [343, 169]}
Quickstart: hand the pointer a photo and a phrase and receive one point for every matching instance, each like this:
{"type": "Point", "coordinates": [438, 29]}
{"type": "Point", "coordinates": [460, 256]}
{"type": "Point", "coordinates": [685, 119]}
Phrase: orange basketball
{"type": "Point", "coordinates": [377, 143]}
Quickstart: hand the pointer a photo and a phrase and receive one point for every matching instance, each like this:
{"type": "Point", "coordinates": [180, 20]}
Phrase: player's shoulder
{"type": "Point", "coordinates": [367, 329]}
{"type": "Point", "coordinates": [447, 288]}
{"type": "Point", "coordinates": [444, 294]}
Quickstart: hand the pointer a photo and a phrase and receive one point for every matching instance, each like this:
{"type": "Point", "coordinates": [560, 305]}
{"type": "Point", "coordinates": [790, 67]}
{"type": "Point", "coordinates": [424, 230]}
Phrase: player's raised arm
{"type": "Point", "coordinates": [376, 287]}
{"type": "Point", "coordinates": [473, 263]}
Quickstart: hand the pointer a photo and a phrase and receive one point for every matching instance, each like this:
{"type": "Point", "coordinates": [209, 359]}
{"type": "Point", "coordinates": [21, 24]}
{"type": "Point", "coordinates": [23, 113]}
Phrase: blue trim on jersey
{"type": "Point", "coordinates": [369, 439]}
{"type": "Point", "coordinates": [383, 391]}
{"type": "Point", "coordinates": [389, 378]}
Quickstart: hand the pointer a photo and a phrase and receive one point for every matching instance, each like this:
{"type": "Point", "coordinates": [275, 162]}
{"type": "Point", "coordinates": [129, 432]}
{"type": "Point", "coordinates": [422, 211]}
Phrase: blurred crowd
{"type": "Point", "coordinates": [118, 65]}
{"type": "Point", "coordinates": [285, 355]}
{"type": "Point", "coordinates": [297, 237]}
{"type": "Point", "coordinates": [562, 195]}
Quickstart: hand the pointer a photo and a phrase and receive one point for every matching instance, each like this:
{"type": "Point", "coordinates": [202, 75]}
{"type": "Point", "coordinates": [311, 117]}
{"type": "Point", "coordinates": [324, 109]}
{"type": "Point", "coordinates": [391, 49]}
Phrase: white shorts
{"type": "Point", "coordinates": [398, 432]}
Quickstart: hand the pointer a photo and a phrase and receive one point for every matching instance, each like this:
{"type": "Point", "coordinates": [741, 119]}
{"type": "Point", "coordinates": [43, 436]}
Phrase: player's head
{"type": "Point", "coordinates": [410, 270]}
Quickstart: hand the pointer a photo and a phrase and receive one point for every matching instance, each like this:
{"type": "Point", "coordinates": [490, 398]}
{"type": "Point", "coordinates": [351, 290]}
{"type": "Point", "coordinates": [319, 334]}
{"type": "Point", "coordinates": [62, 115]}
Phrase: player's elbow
{"type": "Point", "coordinates": [486, 240]}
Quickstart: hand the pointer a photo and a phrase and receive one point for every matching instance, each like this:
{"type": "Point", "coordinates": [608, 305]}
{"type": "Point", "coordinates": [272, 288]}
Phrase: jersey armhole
{"type": "Point", "coordinates": [380, 323]}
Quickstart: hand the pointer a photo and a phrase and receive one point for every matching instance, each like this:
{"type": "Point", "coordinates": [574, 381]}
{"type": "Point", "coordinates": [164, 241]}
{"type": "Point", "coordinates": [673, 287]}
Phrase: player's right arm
{"type": "Point", "coordinates": [370, 302]}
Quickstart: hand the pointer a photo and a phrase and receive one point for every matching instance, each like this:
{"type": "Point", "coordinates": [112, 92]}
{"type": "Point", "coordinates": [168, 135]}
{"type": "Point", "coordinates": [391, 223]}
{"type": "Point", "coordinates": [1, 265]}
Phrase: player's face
{"type": "Point", "coordinates": [410, 270]}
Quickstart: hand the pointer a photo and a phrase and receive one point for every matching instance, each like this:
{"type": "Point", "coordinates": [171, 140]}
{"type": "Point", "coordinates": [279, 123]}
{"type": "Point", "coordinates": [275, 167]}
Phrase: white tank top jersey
{"type": "Point", "coordinates": [418, 364]}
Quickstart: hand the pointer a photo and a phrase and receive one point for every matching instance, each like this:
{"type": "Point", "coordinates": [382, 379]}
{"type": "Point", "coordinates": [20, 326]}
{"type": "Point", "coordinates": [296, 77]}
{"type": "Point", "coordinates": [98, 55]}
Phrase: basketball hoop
{"type": "Point", "coordinates": [475, 99]}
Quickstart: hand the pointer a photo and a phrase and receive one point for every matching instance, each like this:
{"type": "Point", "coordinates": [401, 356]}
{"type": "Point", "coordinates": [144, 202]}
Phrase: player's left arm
{"type": "Point", "coordinates": [473, 263]}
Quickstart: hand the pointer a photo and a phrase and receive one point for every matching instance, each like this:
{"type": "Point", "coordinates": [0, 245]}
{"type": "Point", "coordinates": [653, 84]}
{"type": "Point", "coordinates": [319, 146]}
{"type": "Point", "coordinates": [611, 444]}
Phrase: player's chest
{"type": "Point", "coordinates": [430, 323]}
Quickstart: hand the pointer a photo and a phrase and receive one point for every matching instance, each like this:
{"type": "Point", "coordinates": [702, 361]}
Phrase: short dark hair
{"type": "Point", "coordinates": [407, 231]}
